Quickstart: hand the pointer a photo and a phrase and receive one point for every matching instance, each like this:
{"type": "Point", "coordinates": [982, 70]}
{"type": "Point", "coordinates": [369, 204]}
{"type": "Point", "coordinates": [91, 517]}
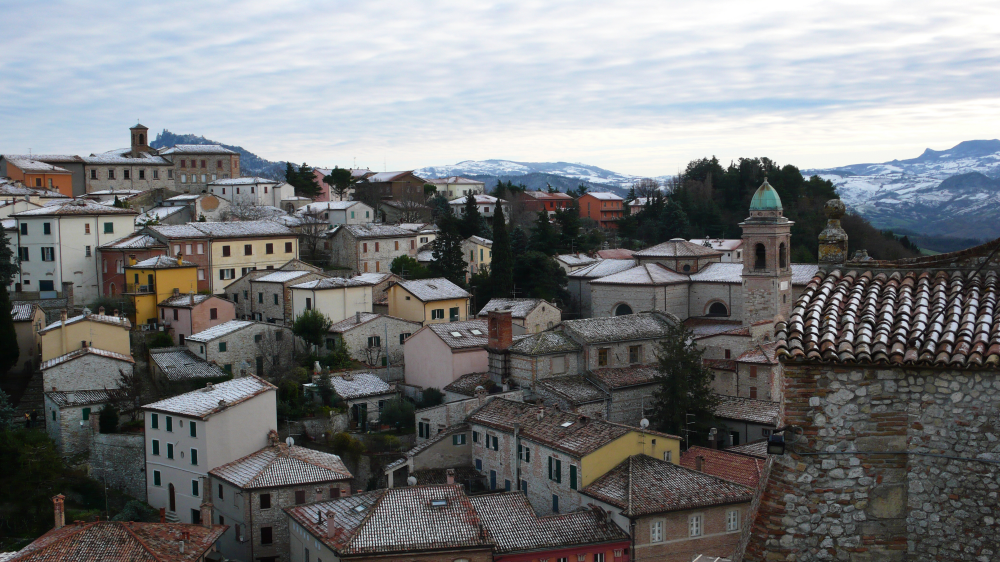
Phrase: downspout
{"type": "Point", "coordinates": [249, 507]}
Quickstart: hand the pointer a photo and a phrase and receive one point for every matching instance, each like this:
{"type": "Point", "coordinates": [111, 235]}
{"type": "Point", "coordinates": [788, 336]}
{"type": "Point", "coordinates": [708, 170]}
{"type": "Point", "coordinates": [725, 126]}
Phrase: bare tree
{"type": "Point", "coordinates": [312, 237]}
{"type": "Point", "coordinates": [646, 187]}
{"type": "Point", "coordinates": [246, 209]}
{"type": "Point", "coordinates": [127, 396]}
{"type": "Point", "coordinates": [373, 354]}
{"type": "Point", "coordinates": [275, 352]}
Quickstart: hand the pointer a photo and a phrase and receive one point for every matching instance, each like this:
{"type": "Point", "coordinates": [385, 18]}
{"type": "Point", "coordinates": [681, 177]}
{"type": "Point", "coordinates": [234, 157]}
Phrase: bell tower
{"type": "Point", "coordinates": [140, 139]}
{"type": "Point", "coordinates": [767, 265]}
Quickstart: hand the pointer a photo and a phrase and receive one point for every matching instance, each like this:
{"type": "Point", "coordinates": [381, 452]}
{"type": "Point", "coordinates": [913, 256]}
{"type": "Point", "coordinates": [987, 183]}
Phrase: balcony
{"type": "Point", "coordinates": [136, 289]}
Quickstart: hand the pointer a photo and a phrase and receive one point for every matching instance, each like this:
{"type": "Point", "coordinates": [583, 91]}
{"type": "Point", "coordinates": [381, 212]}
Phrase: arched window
{"type": "Point", "coordinates": [141, 141]}
{"type": "Point", "coordinates": [622, 310]}
{"type": "Point", "coordinates": [718, 309]}
{"type": "Point", "coordinates": [761, 262]}
{"type": "Point", "coordinates": [781, 256]}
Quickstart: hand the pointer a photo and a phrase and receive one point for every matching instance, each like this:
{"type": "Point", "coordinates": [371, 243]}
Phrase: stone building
{"type": "Point", "coordinates": [71, 418]}
{"type": "Point", "coordinates": [28, 319]}
{"type": "Point", "coordinates": [534, 315]}
{"type": "Point", "coordinates": [363, 248]}
{"type": "Point", "coordinates": [447, 449]}
{"type": "Point", "coordinates": [195, 166]}
{"type": "Point", "coordinates": [375, 339]}
{"type": "Point", "coordinates": [249, 494]}
{"type": "Point", "coordinates": [338, 212]}
{"type": "Point", "coordinates": [364, 396]}
{"type": "Point", "coordinates": [71, 361]}
{"type": "Point", "coordinates": [574, 262]}
{"type": "Point", "coordinates": [270, 296]}
{"type": "Point", "coordinates": [185, 315]}
{"type": "Point", "coordinates": [891, 408]}
{"type": "Point", "coordinates": [242, 347]}
{"type": "Point", "coordinates": [578, 282]}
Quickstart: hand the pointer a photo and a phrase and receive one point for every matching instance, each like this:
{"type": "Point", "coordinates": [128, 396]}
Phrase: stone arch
{"type": "Point", "coordinates": [622, 309]}
{"type": "Point", "coordinates": [760, 256]}
{"type": "Point", "coordinates": [716, 308]}
{"type": "Point", "coordinates": [782, 259]}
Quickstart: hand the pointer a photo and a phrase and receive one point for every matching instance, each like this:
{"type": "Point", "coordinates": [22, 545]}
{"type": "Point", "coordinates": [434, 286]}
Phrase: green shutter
{"type": "Point", "coordinates": [558, 470]}
{"type": "Point", "coordinates": [194, 457]}
{"type": "Point", "coordinates": [156, 447]}
{"type": "Point", "coordinates": [550, 468]}
{"type": "Point", "coordinates": [194, 428]}
{"type": "Point", "coordinates": [454, 439]}
{"type": "Point", "coordinates": [154, 422]}
{"type": "Point", "coordinates": [572, 476]}
{"type": "Point", "coordinates": [86, 414]}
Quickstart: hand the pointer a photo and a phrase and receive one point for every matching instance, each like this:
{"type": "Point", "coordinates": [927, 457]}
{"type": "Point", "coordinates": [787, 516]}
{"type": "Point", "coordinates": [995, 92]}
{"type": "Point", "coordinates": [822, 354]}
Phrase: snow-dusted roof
{"type": "Point", "coordinates": [196, 149]}
{"type": "Point", "coordinates": [243, 181]}
{"type": "Point", "coordinates": [9, 187]}
{"type": "Point", "coordinates": [75, 207]}
{"type": "Point", "coordinates": [721, 244]}
{"type": "Point", "coordinates": [454, 180]}
{"type": "Point", "coordinates": [124, 156]}
{"type": "Point", "coordinates": [359, 385]}
{"type": "Point", "coordinates": [327, 206]}
{"type": "Point", "coordinates": [212, 399]}
{"type": "Point", "coordinates": [79, 398]}
{"type": "Point", "coordinates": [162, 262]}
{"type": "Point", "coordinates": [62, 158]}
{"type": "Point", "coordinates": [330, 283]}
{"type": "Point", "coordinates": [639, 326]}
{"type": "Point", "coordinates": [82, 352]}
{"type": "Point", "coordinates": [604, 196]}
{"type": "Point", "coordinates": [178, 363]}
{"type": "Point", "coordinates": [157, 214]}
{"type": "Point", "coordinates": [462, 335]}
{"type": "Point", "coordinates": [387, 176]}
{"type": "Point", "coordinates": [219, 331]}
{"type": "Point", "coordinates": [185, 197]}
{"type": "Point", "coordinates": [519, 308]}
{"type": "Point", "coordinates": [177, 231]}
{"type": "Point", "coordinates": [281, 276]}
{"type": "Point", "coordinates": [242, 229]}
{"type": "Point", "coordinates": [677, 248]}
{"type": "Point", "coordinates": [603, 268]}
{"type": "Point", "coordinates": [803, 273]}
{"type": "Point", "coordinates": [114, 192]}
{"type": "Point", "coordinates": [102, 318]}
{"type": "Point", "coordinates": [31, 165]}
{"type": "Point", "coordinates": [425, 256]}
{"type": "Point", "coordinates": [480, 200]}
{"type": "Point", "coordinates": [575, 260]}
{"type": "Point", "coordinates": [373, 231]}
{"type": "Point", "coordinates": [281, 465]}
{"type": "Point", "coordinates": [371, 277]}
{"type": "Point", "coordinates": [22, 311]}
{"type": "Point", "coordinates": [480, 240]}
{"type": "Point", "coordinates": [720, 273]}
{"type": "Point", "coordinates": [549, 341]}
{"type": "Point", "coordinates": [435, 289]}
{"type": "Point", "coordinates": [645, 274]}
{"type": "Point", "coordinates": [186, 301]}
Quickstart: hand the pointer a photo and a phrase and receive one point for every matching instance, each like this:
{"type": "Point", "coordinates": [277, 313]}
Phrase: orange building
{"type": "Point", "coordinates": [37, 174]}
{"type": "Point", "coordinates": [605, 208]}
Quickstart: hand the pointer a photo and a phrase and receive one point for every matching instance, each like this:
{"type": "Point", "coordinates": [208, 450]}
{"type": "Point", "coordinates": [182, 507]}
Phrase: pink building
{"type": "Point", "coordinates": [326, 193]}
{"type": "Point", "coordinates": [184, 315]}
{"type": "Point", "coordinates": [438, 354]}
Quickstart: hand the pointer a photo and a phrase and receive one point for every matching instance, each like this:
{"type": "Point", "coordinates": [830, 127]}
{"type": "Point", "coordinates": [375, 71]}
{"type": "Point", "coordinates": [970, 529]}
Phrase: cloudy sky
{"type": "Point", "coordinates": [634, 86]}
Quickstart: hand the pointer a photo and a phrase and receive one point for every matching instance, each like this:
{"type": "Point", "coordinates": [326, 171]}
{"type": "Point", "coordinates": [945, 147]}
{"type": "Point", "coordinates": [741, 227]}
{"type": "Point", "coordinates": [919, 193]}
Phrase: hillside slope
{"type": "Point", "coordinates": [250, 163]}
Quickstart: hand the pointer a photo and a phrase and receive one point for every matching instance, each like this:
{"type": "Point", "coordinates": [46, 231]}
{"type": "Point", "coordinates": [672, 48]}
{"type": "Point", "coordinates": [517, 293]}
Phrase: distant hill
{"type": "Point", "coordinates": [250, 163]}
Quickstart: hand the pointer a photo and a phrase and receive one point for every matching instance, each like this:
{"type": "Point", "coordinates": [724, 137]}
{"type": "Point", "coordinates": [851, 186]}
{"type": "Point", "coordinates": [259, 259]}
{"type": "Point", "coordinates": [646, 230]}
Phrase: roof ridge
{"type": "Point", "coordinates": [133, 534]}
{"type": "Point", "coordinates": [371, 512]}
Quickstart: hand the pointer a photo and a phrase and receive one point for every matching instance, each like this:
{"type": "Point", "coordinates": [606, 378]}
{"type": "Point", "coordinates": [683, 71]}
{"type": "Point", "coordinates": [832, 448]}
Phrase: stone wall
{"type": "Point", "coordinates": [892, 464]}
{"type": "Point", "coordinates": [119, 460]}
{"type": "Point", "coordinates": [525, 369]}
{"type": "Point", "coordinates": [627, 404]}
{"type": "Point", "coordinates": [90, 372]}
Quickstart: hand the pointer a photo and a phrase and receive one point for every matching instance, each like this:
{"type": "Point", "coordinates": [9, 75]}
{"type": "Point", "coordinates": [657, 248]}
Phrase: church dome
{"type": "Point", "coordinates": [765, 199]}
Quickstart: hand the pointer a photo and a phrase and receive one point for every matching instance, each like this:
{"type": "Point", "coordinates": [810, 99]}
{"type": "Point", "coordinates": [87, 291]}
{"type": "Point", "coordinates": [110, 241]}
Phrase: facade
{"type": "Point", "coordinates": [438, 354]}
{"type": "Point", "coordinates": [336, 297]}
{"type": "Point", "coordinates": [270, 296]}
{"type": "Point", "coordinates": [534, 315]}
{"type": "Point", "coordinates": [58, 244]}
{"type": "Point", "coordinates": [40, 175]}
{"type": "Point", "coordinates": [339, 212]}
{"type": "Point", "coordinates": [605, 208]}
{"type": "Point", "coordinates": [251, 192]}
{"type": "Point", "coordinates": [455, 187]}
{"type": "Point", "coordinates": [29, 319]}
{"type": "Point", "coordinates": [71, 163]}
{"type": "Point", "coordinates": [404, 212]}
{"type": "Point", "coordinates": [71, 334]}
{"type": "Point", "coordinates": [370, 338]}
{"type": "Point", "coordinates": [578, 282]}
{"type": "Point", "coordinates": [399, 186]}
{"type": "Point", "coordinates": [184, 315]}
{"type": "Point", "coordinates": [195, 166]}
{"type": "Point", "coordinates": [71, 418]}
{"type": "Point", "coordinates": [115, 255]}
{"type": "Point", "coordinates": [675, 514]}
{"type": "Point", "coordinates": [480, 254]}
{"type": "Point", "coordinates": [486, 204]}
{"type": "Point", "coordinates": [153, 280]}
{"type": "Point", "coordinates": [189, 434]}
{"type": "Point", "coordinates": [188, 240]}
{"type": "Point", "coordinates": [327, 192]}
{"type": "Point", "coordinates": [250, 493]}
{"type": "Point", "coordinates": [429, 301]}
{"type": "Point", "coordinates": [241, 347]}
{"type": "Point", "coordinates": [364, 248]}
{"type": "Point", "coordinates": [535, 201]}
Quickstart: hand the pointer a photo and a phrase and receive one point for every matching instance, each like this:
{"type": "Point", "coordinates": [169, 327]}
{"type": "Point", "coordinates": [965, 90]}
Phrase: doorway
{"type": "Point", "coordinates": [173, 498]}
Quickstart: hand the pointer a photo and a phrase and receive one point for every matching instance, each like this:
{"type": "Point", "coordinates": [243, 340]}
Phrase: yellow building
{"type": "Point", "coordinates": [479, 253]}
{"type": "Point", "coordinates": [428, 301]}
{"type": "Point", "coordinates": [154, 280]}
{"type": "Point", "coordinates": [238, 247]}
{"type": "Point", "coordinates": [109, 333]}
{"type": "Point", "coordinates": [635, 442]}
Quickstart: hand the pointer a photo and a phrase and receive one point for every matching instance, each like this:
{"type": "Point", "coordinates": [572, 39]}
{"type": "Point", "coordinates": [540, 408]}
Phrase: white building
{"type": "Point", "coordinates": [58, 244]}
{"type": "Point", "coordinates": [336, 297]}
{"type": "Point", "coordinates": [190, 434]}
{"type": "Point", "coordinates": [732, 250]}
{"type": "Point", "coordinates": [486, 204]}
{"type": "Point", "coordinates": [457, 186]}
{"type": "Point", "coordinates": [339, 212]}
{"type": "Point", "coordinates": [252, 191]}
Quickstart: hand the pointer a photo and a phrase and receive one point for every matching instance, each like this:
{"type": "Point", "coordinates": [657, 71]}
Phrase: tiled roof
{"type": "Point", "coordinates": [162, 262]}
{"type": "Point", "coordinates": [281, 465]}
{"type": "Point", "coordinates": [756, 448]}
{"type": "Point", "coordinates": [721, 244]}
{"type": "Point", "coordinates": [204, 402]}
{"type": "Point", "coordinates": [32, 165]}
{"type": "Point", "coordinates": [326, 206]}
{"type": "Point", "coordinates": [519, 308]}
{"type": "Point", "coordinates": [580, 437]}
{"type": "Point", "coordinates": [480, 241]}
{"type": "Point", "coordinates": [677, 248]}
{"type": "Point", "coordinates": [720, 273]}
{"type": "Point", "coordinates": [575, 389]}
{"type": "Point", "coordinates": [156, 214]}
{"type": "Point", "coordinates": [114, 541]}
{"type": "Point", "coordinates": [460, 335]}
{"type": "Point", "coordinates": [434, 289]}
{"type": "Point", "coordinates": [621, 377]}
{"type": "Point", "coordinates": [373, 278]}
{"type": "Point", "coordinates": [615, 254]}
{"type": "Point", "coordinates": [542, 343]}
{"type": "Point", "coordinates": [79, 397]}
{"type": "Point", "coordinates": [453, 180]}
{"type": "Point", "coordinates": [281, 276]}
{"type": "Point", "coordinates": [82, 352]}
{"type": "Point", "coordinates": [8, 187]}
{"type": "Point", "coordinates": [639, 326]}
{"type": "Point", "coordinates": [514, 527]}
{"type": "Point", "coordinates": [219, 331]}
{"type": "Point", "coordinates": [466, 384]}
{"type": "Point", "coordinates": [424, 445]}
{"type": "Point", "coordinates": [177, 231]}
{"type": "Point", "coordinates": [747, 409]}
{"type": "Point", "coordinates": [547, 195]}
{"type": "Point", "coordinates": [574, 260]}
{"type": "Point", "coordinates": [604, 196]}
{"type": "Point", "coordinates": [943, 319]}
{"type": "Point", "coordinates": [74, 207]}
{"type": "Point", "coordinates": [603, 268]}
{"type": "Point", "coordinates": [185, 300]}
{"type": "Point", "coordinates": [802, 273]}
{"type": "Point", "coordinates": [480, 200]}
{"type": "Point", "coordinates": [197, 149]}
{"type": "Point", "coordinates": [102, 318]}
{"type": "Point", "coordinates": [22, 311]}
{"type": "Point", "coordinates": [364, 231]}
{"type": "Point", "coordinates": [643, 274]}
{"type": "Point", "coordinates": [387, 176]}
{"type": "Point", "coordinates": [352, 321]}
{"type": "Point", "coordinates": [642, 485]}
{"type": "Point", "coordinates": [241, 229]}
{"type": "Point", "coordinates": [359, 385]}
{"type": "Point", "coordinates": [734, 467]}
{"type": "Point", "coordinates": [124, 156]}
{"type": "Point", "coordinates": [62, 158]}
{"type": "Point", "coordinates": [178, 363]}
{"type": "Point", "coordinates": [720, 364]}
{"type": "Point", "coordinates": [331, 283]}
{"type": "Point", "coordinates": [706, 327]}
{"type": "Point", "coordinates": [243, 181]}
{"type": "Point", "coordinates": [763, 354]}
{"type": "Point", "coordinates": [396, 520]}
{"type": "Point", "coordinates": [134, 241]}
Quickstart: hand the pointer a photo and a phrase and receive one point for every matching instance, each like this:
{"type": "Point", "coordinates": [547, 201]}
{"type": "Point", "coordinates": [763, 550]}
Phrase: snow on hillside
{"type": "Point", "coordinates": [495, 168]}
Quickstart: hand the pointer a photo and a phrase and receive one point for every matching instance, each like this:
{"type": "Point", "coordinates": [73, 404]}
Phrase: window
{"type": "Point", "coordinates": [156, 478]}
{"type": "Point", "coordinates": [668, 456]}
{"type": "Point", "coordinates": [109, 228]}
{"type": "Point", "coordinates": [213, 313]}
{"type": "Point", "coordinates": [453, 314]}
{"type": "Point", "coordinates": [184, 179]}
{"type": "Point", "coordinates": [695, 525]}
{"type": "Point", "coordinates": [479, 465]}
{"type": "Point", "coordinates": [496, 443]}
{"type": "Point", "coordinates": [458, 439]}
{"type": "Point", "coordinates": [555, 503]}
{"type": "Point", "coordinates": [218, 164]}
{"type": "Point", "coordinates": [733, 520]}
{"type": "Point", "coordinates": [86, 228]}
{"type": "Point", "coordinates": [524, 453]}
{"type": "Point", "coordinates": [48, 253]}
{"type": "Point", "coordinates": [194, 488]}
{"type": "Point", "coordinates": [376, 246]}
{"type": "Point", "coordinates": [154, 421]}
{"type": "Point", "coordinates": [288, 247]}
{"type": "Point", "coordinates": [572, 477]}
{"type": "Point", "coordinates": [46, 228]}
{"type": "Point", "coordinates": [220, 491]}
{"type": "Point", "coordinates": [156, 447]}
{"type": "Point", "coordinates": [278, 334]}
{"type": "Point", "coordinates": [22, 253]}
{"type": "Point", "coordinates": [257, 338]}
{"type": "Point", "coordinates": [602, 357]}
{"type": "Point", "coordinates": [125, 174]}
{"type": "Point", "coordinates": [493, 480]}
{"type": "Point", "coordinates": [265, 535]}
{"type": "Point", "coordinates": [170, 173]}
{"type": "Point", "coordinates": [364, 247]}
{"type": "Point", "coordinates": [111, 173]}
{"type": "Point", "coordinates": [175, 314]}
{"type": "Point", "coordinates": [437, 314]}
{"type": "Point", "coordinates": [269, 248]}
{"type": "Point", "coordinates": [761, 261]}
{"type": "Point", "coordinates": [201, 248]}
{"type": "Point", "coordinates": [718, 309]}
{"type": "Point", "coordinates": [635, 354]}
{"type": "Point", "coordinates": [475, 437]}
{"type": "Point", "coordinates": [781, 255]}
{"type": "Point", "coordinates": [374, 341]}
{"type": "Point", "coordinates": [622, 310]}
{"type": "Point", "coordinates": [202, 165]}
{"type": "Point", "coordinates": [728, 353]}
{"type": "Point", "coordinates": [265, 501]}
{"type": "Point", "coordinates": [170, 423]}
{"type": "Point", "coordinates": [156, 174]}
{"type": "Point", "coordinates": [300, 497]}
{"type": "Point", "coordinates": [403, 336]}
{"type": "Point", "coordinates": [93, 174]}
{"type": "Point", "coordinates": [656, 531]}
{"type": "Point", "coordinates": [170, 450]}
{"type": "Point", "coordinates": [598, 557]}
{"type": "Point", "coordinates": [24, 229]}
{"type": "Point", "coordinates": [555, 469]}
{"type": "Point", "coordinates": [183, 163]}
{"type": "Point", "coordinates": [753, 392]}
{"type": "Point", "coordinates": [225, 251]}
{"type": "Point", "coordinates": [193, 428]}
{"type": "Point", "coordinates": [201, 275]}
{"type": "Point", "coordinates": [275, 295]}
{"type": "Point", "coordinates": [227, 273]}
{"type": "Point", "coordinates": [222, 346]}
{"type": "Point", "coordinates": [260, 298]}
{"type": "Point", "coordinates": [194, 457]}
{"type": "Point", "coordinates": [308, 303]}
{"type": "Point", "coordinates": [248, 249]}
{"type": "Point", "coordinates": [228, 367]}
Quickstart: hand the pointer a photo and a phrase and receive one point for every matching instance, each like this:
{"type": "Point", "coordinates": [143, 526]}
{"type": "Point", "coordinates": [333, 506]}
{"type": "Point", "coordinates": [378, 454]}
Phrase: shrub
{"type": "Point", "coordinates": [431, 397]}
{"type": "Point", "coordinates": [398, 413]}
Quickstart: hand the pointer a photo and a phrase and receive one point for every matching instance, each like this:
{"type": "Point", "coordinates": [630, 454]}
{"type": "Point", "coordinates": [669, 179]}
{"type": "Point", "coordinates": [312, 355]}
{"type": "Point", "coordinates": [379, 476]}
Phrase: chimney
{"type": "Point", "coordinates": [58, 505]}
{"type": "Point", "coordinates": [206, 514]}
{"type": "Point", "coordinates": [501, 335]}
{"type": "Point", "coordinates": [63, 333]}
{"type": "Point", "coordinates": [833, 239]}
{"type": "Point", "coordinates": [541, 411]}
{"type": "Point", "coordinates": [100, 310]}
{"type": "Point", "coordinates": [450, 475]}
{"type": "Point", "coordinates": [357, 317]}
{"type": "Point", "coordinates": [331, 524]}
{"type": "Point", "coordinates": [699, 463]}
{"type": "Point", "coordinates": [163, 515]}
{"type": "Point", "coordinates": [131, 259]}
{"type": "Point", "coordinates": [176, 291]}
{"type": "Point", "coordinates": [480, 394]}
{"type": "Point", "coordinates": [180, 258]}
{"type": "Point", "coordinates": [192, 299]}
{"type": "Point", "coordinates": [83, 344]}
{"type": "Point", "coordinates": [319, 494]}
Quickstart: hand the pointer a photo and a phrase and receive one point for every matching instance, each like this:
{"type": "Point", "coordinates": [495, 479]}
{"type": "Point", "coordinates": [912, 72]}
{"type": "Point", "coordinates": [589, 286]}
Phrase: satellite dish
{"type": "Point", "coordinates": [411, 481]}
{"type": "Point", "coordinates": [289, 441]}
{"type": "Point", "coordinates": [644, 423]}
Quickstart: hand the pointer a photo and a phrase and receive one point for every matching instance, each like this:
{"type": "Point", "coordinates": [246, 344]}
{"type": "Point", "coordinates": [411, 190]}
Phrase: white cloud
{"type": "Point", "coordinates": [638, 87]}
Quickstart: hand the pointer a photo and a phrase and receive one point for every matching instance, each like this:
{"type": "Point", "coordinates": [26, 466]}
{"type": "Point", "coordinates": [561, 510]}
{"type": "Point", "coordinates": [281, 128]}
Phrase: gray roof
{"type": "Point", "coordinates": [74, 207]}
{"type": "Point", "coordinates": [603, 268]}
{"type": "Point", "coordinates": [178, 363]}
{"type": "Point", "coordinates": [747, 410]}
{"type": "Point", "coordinates": [351, 322]}
{"type": "Point", "coordinates": [575, 389]}
{"type": "Point", "coordinates": [240, 229]}
{"type": "Point", "coordinates": [134, 241]}
{"type": "Point", "coordinates": [549, 341]}
{"type": "Point", "coordinates": [162, 262]}
{"type": "Point", "coordinates": [373, 231]}
{"type": "Point", "coordinates": [519, 308]}
{"type": "Point", "coordinates": [124, 156]}
{"type": "Point", "coordinates": [243, 181]}
{"type": "Point", "coordinates": [185, 300]}
{"type": "Point", "coordinates": [32, 165]}
{"type": "Point", "coordinates": [175, 231]}
{"type": "Point", "coordinates": [462, 335]}
{"type": "Point", "coordinates": [678, 248]}
{"type": "Point", "coordinates": [359, 385]}
{"type": "Point", "coordinates": [803, 273]}
{"type": "Point", "coordinates": [643, 274]}
{"type": "Point", "coordinates": [281, 465]}
{"type": "Point", "coordinates": [219, 331]}
{"type": "Point", "coordinates": [204, 402]}
{"type": "Point", "coordinates": [720, 273]}
{"type": "Point", "coordinates": [331, 283]}
{"type": "Point", "coordinates": [197, 149]}
{"type": "Point", "coordinates": [80, 397]}
{"type": "Point", "coordinates": [435, 289]}
{"type": "Point", "coordinates": [76, 354]}
{"type": "Point", "coordinates": [22, 311]}
{"type": "Point", "coordinates": [639, 326]}
{"type": "Point", "coordinates": [281, 276]}
{"type": "Point", "coordinates": [573, 260]}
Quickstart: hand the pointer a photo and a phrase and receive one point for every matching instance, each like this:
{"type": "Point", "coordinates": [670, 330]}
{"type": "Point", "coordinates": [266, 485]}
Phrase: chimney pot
{"type": "Point", "coordinates": [319, 494]}
{"type": "Point", "coordinates": [100, 310]}
{"type": "Point", "coordinates": [450, 475]}
{"type": "Point", "coordinates": [176, 291]}
{"type": "Point", "coordinates": [699, 463]}
{"type": "Point", "coordinates": [59, 508]}
{"type": "Point", "coordinates": [331, 524]}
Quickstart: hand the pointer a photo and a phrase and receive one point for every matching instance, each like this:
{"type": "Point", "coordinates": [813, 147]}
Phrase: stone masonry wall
{"type": "Point", "coordinates": [119, 460]}
{"type": "Point", "coordinates": [893, 465]}
{"type": "Point", "coordinates": [90, 372]}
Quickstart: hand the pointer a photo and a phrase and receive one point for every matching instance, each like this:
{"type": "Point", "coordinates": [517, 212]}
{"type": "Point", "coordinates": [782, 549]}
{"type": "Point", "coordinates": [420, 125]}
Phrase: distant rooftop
{"type": "Point", "coordinates": [205, 402]}
{"type": "Point", "coordinates": [219, 331]}
{"type": "Point", "coordinates": [281, 465]}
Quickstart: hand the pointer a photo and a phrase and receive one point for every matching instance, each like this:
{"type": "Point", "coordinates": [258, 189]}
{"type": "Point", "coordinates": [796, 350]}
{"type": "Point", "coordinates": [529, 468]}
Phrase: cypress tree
{"type": "Point", "coordinates": [502, 266]}
{"type": "Point", "coordinates": [9, 267]}
{"type": "Point", "coordinates": [449, 262]}
{"type": "Point", "coordinates": [684, 387]}
{"type": "Point", "coordinates": [543, 236]}
{"type": "Point", "coordinates": [471, 220]}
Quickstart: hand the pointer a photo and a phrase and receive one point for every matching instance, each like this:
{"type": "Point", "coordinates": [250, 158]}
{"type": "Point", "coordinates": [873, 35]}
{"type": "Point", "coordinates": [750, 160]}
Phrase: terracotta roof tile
{"type": "Point", "coordinates": [756, 448]}
{"type": "Point", "coordinates": [114, 541]}
{"type": "Point", "coordinates": [742, 469]}
{"type": "Point", "coordinates": [83, 351]}
{"type": "Point", "coordinates": [281, 465]}
{"type": "Point", "coordinates": [639, 326]}
{"type": "Point", "coordinates": [747, 409]}
{"type": "Point", "coordinates": [574, 388]}
{"type": "Point", "coordinates": [466, 384]}
{"type": "Point", "coordinates": [763, 354]}
{"type": "Point", "coordinates": [621, 377]}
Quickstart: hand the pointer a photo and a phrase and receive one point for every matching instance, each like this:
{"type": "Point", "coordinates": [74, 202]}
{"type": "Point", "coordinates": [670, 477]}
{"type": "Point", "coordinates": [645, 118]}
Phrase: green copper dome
{"type": "Point", "coordinates": [765, 199]}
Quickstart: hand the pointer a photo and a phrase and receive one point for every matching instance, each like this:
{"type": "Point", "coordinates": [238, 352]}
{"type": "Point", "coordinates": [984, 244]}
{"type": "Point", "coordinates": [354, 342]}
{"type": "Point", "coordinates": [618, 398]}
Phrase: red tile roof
{"type": "Point", "coordinates": [281, 465]}
{"type": "Point", "coordinates": [112, 541]}
{"type": "Point", "coordinates": [620, 377]}
{"type": "Point", "coordinates": [742, 469]}
{"type": "Point", "coordinates": [762, 354]}
{"type": "Point", "coordinates": [616, 254]}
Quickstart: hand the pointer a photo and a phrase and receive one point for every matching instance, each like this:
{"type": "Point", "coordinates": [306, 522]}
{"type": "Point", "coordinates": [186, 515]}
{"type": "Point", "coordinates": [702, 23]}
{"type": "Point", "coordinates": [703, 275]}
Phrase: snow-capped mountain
{"type": "Point", "coordinates": [508, 168]}
{"type": "Point", "coordinates": [952, 192]}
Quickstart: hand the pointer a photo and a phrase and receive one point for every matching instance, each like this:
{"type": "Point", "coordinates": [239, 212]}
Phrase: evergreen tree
{"type": "Point", "coordinates": [684, 387]}
{"type": "Point", "coordinates": [543, 236]}
{"type": "Point", "coordinates": [408, 268]}
{"type": "Point", "coordinates": [107, 420]}
{"type": "Point", "coordinates": [502, 265]}
{"type": "Point", "coordinates": [472, 220]}
{"type": "Point", "coordinates": [540, 276]}
{"type": "Point", "coordinates": [9, 267]}
{"type": "Point", "coordinates": [518, 241]}
{"type": "Point", "coordinates": [312, 326]}
{"type": "Point", "coordinates": [569, 229]}
{"type": "Point", "coordinates": [307, 184]}
{"type": "Point", "coordinates": [291, 175]}
{"type": "Point", "coordinates": [439, 206]}
{"type": "Point", "coordinates": [340, 181]}
{"type": "Point", "coordinates": [449, 261]}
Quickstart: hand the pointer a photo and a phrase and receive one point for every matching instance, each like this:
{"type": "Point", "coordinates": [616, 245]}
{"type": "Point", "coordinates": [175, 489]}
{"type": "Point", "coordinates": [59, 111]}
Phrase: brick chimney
{"type": "Point", "coordinates": [699, 463]}
{"type": "Point", "coordinates": [501, 334]}
{"type": "Point", "coordinates": [319, 494]}
{"type": "Point", "coordinates": [206, 514]}
{"type": "Point", "coordinates": [450, 474]}
{"type": "Point", "coordinates": [833, 239]}
{"type": "Point", "coordinates": [58, 505]}
{"type": "Point", "coordinates": [63, 332]}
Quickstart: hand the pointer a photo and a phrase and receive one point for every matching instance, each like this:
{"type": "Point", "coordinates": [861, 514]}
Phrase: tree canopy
{"type": "Point", "coordinates": [449, 261]}
{"type": "Point", "coordinates": [684, 387]}
{"type": "Point", "coordinates": [312, 326]}
{"type": "Point", "coordinates": [340, 180]}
